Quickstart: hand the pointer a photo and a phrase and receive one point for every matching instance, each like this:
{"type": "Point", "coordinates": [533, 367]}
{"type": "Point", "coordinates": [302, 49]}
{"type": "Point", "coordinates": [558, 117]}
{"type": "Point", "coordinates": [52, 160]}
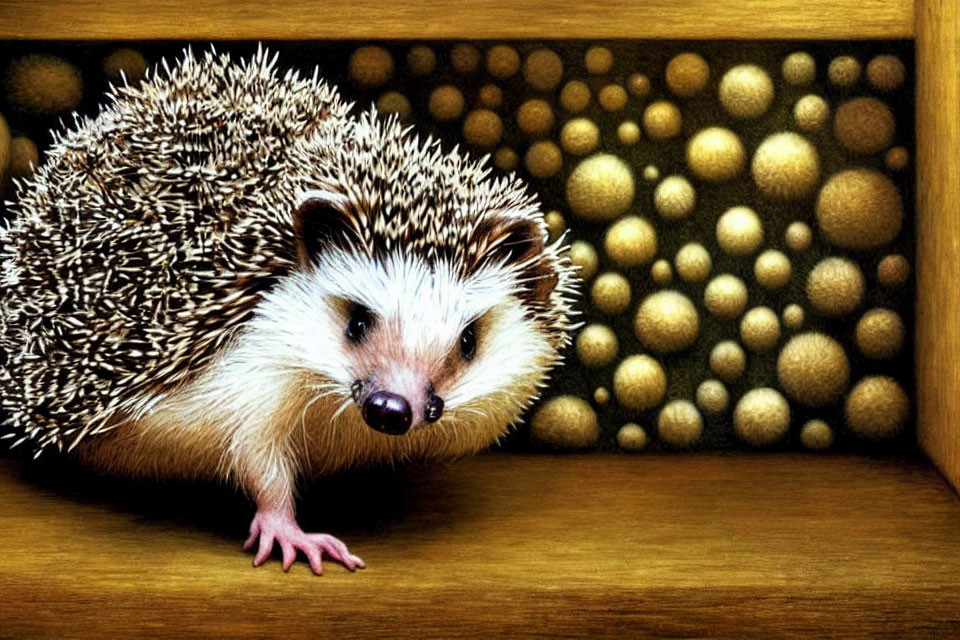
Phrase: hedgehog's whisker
{"type": "Point", "coordinates": [343, 407]}
{"type": "Point", "coordinates": [303, 414]}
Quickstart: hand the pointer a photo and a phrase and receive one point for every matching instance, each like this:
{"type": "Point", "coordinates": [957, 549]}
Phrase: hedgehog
{"type": "Point", "coordinates": [227, 274]}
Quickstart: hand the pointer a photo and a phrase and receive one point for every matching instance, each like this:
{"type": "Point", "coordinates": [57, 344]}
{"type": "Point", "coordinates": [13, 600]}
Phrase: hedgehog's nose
{"type": "Point", "coordinates": [388, 413]}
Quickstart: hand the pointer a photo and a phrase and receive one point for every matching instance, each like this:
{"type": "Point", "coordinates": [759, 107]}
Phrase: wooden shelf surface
{"type": "Point", "coordinates": [747, 546]}
{"type": "Point", "coordinates": [495, 19]}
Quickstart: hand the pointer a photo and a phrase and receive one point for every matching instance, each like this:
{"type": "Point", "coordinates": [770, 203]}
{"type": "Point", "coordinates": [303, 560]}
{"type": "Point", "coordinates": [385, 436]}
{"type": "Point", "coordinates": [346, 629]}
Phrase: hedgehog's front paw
{"type": "Point", "coordinates": [270, 526]}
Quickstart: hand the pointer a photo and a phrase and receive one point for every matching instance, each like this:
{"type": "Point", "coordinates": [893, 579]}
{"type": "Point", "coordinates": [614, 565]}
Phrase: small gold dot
{"type": "Point", "coordinates": [612, 97]}
{"type": "Point", "coordinates": [503, 61]}
{"type": "Point", "coordinates": [598, 60]}
{"type": "Point", "coordinates": [543, 159]}
{"type": "Point", "coordinates": [638, 85]}
{"type": "Point", "coordinates": [575, 96]}
{"type": "Point", "coordinates": [628, 133]}
{"type": "Point", "coordinates": [610, 293]}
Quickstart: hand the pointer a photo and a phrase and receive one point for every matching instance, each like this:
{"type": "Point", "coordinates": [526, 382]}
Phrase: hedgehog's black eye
{"type": "Point", "coordinates": [361, 321]}
{"type": "Point", "coordinates": [468, 342]}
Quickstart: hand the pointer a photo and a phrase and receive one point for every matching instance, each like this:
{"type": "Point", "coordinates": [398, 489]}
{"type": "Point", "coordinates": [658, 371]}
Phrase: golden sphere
{"type": "Point", "coordinates": [638, 85]}
{"type": "Point", "coordinates": [813, 369]}
{"type": "Point", "coordinates": [667, 321]}
{"type": "Point", "coordinates": [506, 158]}
{"type": "Point", "coordinates": [712, 397]}
{"type": "Point", "coordinates": [535, 117]}
{"type": "Point", "coordinates": [639, 382]}
{"type": "Point", "coordinates": [893, 271]}
{"type": "Point", "coordinates": [421, 60]}
{"type": "Point", "coordinates": [886, 72]}
{"type": "Point", "coordinates": [597, 345]}
{"type": "Point", "coordinates": [786, 166]}
{"type": "Point", "coordinates": [370, 66]}
{"type": "Point", "coordinates": [651, 173]}
{"type": "Point", "coordinates": [584, 257]}
{"type": "Point", "coordinates": [728, 360]}
{"type": "Point", "coordinates": [575, 96]}
{"type": "Point", "coordinates": [612, 97]}
{"type": "Point", "coordinates": [879, 334]}
{"type": "Point", "coordinates": [564, 422]}
{"type": "Point", "coordinates": [394, 102]}
{"type": "Point", "coordinates": [43, 85]}
{"type": "Point", "coordinates": [725, 296]}
{"type": "Point", "coordinates": [610, 293]}
{"type": "Point", "coordinates": [793, 316]}
{"type": "Point", "coordinates": [674, 197]}
{"type": "Point", "coordinates": [798, 236]}
{"type": "Point", "coordinates": [601, 395]}
{"type": "Point", "coordinates": [859, 209]}
{"type": "Point", "coordinates": [687, 74]}
{"type": "Point", "coordinates": [490, 96]}
{"type": "Point", "coordinates": [835, 286]}
{"type": "Point", "coordinates": [661, 272]}
{"type": "Point", "coordinates": [816, 434]}
{"type": "Point", "coordinates": [543, 159]}
{"type": "Point", "coordinates": [543, 70]}
{"type": "Point", "coordinates": [844, 71]}
{"type": "Point", "coordinates": [503, 61]}
{"type": "Point", "coordinates": [693, 262]}
{"type": "Point", "coordinates": [579, 136]}
{"type": "Point", "coordinates": [631, 437]}
{"type": "Point", "coordinates": [555, 224]}
{"type": "Point", "coordinates": [124, 63]}
{"type": "Point", "coordinates": [464, 58]}
{"type": "Point", "coordinates": [630, 241]}
{"type": "Point", "coordinates": [897, 158]}
{"type": "Point", "coordinates": [600, 188]}
{"type": "Point", "coordinates": [483, 127]}
{"type": "Point", "coordinates": [739, 231]}
{"type": "Point", "coordinates": [24, 157]}
{"type": "Point", "coordinates": [811, 112]}
{"type": "Point", "coordinates": [680, 423]}
{"type": "Point", "coordinates": [446, 103]}
{"type": "Point", "coordinates": [799, 68]}
{"type": "Point", "coordinates": [864, 125]}
{"type": "Point", "coordinates": [762, 416]}
{"type": "Point", "coordinates": [598, 60]}
{"type": "Point", "coordinates": [715, 154]}
{"type": "Point", "coordinates": [746, 91]}
{"type": "Point", "coordinates": [772, 269]}
{"type": "Point", "coordinates": [662, 120]}
{"type": "Point", "coordinates": [877, 407]}
{"type": "Point", "coordinates": [760, 329]}
{"type": "Point", "coordinates": [628, 133]}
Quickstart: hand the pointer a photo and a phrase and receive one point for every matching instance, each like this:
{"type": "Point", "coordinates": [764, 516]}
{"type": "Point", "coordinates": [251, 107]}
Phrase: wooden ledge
{"type": "Point", "coordinates": [593, 545]}
{"type": "Point", "coordinates": [496, 19]}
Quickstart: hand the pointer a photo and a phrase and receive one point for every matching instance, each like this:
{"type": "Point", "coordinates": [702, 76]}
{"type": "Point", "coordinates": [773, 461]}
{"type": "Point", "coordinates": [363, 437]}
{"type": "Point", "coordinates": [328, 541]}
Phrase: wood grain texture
{"type": "Point", "coordinates": [747, 546]}
{"type": "Point", "coordinates": [495, 19]}
{"type": "Point", "coordinates": [938, 234]}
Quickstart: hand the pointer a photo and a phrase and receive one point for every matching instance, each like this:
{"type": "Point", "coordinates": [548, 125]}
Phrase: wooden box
{"type": "Point", "coordinates": [742, 546]}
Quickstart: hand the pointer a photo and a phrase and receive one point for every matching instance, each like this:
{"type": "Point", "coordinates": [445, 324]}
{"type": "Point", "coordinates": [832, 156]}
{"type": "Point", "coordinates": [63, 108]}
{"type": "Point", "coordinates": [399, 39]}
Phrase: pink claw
{"type": "Point", "coordinates": [281, 527]}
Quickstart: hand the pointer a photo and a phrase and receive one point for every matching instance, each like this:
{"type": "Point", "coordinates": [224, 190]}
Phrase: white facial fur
{"type": "Point", "coordinates": [420, 314]}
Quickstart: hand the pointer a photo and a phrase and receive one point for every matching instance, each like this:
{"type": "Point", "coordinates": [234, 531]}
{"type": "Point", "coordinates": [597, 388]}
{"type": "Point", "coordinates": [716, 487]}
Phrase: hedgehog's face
{"type": "Point", "coordinates": [411, 341]}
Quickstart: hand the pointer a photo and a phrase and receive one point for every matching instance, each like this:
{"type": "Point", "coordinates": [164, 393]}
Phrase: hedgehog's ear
{"type": "Point", "coordinates": [520, 244]}
{"type": "Point", "coordinates": [322, 219]}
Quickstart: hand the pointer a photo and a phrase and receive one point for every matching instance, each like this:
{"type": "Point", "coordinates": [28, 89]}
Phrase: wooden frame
{"type": "Point", "coordinates": [934, 24]}
{"type": "Point", "coordinates": [440, 19]}
{"type": "Point", "coordinates": [697, 545]}
{"type": "Point", "coordinates": [938, 234]}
